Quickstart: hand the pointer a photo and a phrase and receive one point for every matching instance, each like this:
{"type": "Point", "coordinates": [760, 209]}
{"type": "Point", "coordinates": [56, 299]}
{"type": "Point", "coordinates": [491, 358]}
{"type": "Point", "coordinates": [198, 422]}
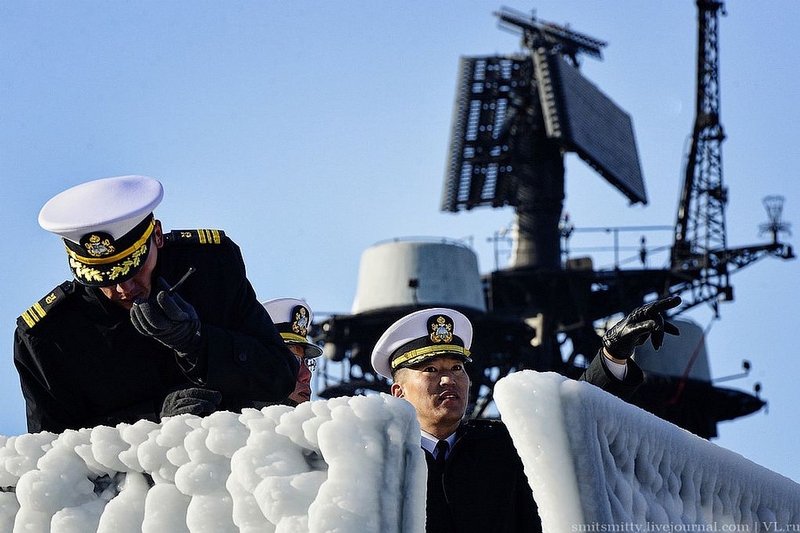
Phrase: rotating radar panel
{"type": "Point", "coordinates": [479, 170]}
{"type": "Point", "coordinates": [493, 90]}
{"type": "Point", "coordinates": [589, 124]}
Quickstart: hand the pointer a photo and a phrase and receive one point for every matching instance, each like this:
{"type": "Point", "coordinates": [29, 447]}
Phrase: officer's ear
{"type": "Point", "coordinates": [158, 233]}
{"type": "Point", "coordinates": [397, 390]}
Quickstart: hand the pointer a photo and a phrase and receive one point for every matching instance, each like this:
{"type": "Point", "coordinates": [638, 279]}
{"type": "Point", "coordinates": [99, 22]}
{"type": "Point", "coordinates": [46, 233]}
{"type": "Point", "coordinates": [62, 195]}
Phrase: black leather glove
{"type": "Point", "coordinates": [169, 319]}
{"type": "Point", "coordinates": [191, 400]}
{"type": "Point", "coordinates": [641, 323]}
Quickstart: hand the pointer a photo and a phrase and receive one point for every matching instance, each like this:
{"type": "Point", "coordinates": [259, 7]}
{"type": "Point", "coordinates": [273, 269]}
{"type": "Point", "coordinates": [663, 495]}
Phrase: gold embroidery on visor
{"type": "Point", "coordinates": [414, 356]}
{"type": "Point", "coordinates": [94, 275]}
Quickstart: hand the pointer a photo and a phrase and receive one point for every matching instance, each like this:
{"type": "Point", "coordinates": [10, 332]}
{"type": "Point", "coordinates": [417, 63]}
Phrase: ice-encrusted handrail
{"type": "Point", "coordinates": [280, 467]}
{"type": "Point", "coordinates": [596, 463]}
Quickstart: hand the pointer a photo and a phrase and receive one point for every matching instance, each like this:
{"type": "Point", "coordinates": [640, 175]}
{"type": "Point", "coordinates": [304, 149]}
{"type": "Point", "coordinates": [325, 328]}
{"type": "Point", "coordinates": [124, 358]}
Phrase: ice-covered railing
{"type": "Point", "coordinates": [260, 471]}
{"type": "Point", "coordinates": [354, 465]}
{"type": "Point", "coordinates": [596, 463]}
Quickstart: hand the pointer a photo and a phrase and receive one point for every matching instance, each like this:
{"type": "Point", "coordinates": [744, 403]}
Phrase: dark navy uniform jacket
{"type": "Point", "coordinates": [483, 488]}
{"type": "Point", "coordinates": [82, 363]}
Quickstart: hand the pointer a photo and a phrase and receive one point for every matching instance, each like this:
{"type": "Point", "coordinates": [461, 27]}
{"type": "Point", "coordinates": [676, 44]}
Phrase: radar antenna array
{"type": "Point", "coordinates": [515, 117]}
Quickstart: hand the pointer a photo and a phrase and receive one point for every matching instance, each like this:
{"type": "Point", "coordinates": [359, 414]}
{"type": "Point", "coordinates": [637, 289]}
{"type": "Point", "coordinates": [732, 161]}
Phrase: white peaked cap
{"type": "Point", "coordinates": [292, 318]}
{"type": "Point", "coordinates": [109, 205]}
{"type": "Point", "coordinates": [420, 336]}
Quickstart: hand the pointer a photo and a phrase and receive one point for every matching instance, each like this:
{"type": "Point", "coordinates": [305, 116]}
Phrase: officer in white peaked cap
{"type": "Point", "coordinates": [476, 481]}
{"type": "Point", "coordinates": [152, 324]}
{"type": "Point", "coordinates": [293, 318]}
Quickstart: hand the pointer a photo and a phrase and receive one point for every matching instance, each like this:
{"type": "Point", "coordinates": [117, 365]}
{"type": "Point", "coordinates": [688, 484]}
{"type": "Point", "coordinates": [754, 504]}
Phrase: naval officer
{"type": "Point", "coordinates": [120, 341]}
{"type": "Point", "coordinates": [293, 318]}
{"type": "Point", "coordinates": [476, 482]}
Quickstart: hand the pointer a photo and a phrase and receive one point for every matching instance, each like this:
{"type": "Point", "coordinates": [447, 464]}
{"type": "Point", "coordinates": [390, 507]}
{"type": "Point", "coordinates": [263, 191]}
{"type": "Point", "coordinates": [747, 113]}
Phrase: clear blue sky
{"type": "Point", "coordinates": [311, 130]}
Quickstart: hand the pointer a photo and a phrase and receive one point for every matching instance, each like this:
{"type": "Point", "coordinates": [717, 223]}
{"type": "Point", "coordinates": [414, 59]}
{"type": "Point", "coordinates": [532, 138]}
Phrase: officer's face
{"type": "Point", "coordinates": [438, 389]}
{"type": "Point", "coordinates": [302, 390]}
{"type": "Point", "coordinates": [139, 286]}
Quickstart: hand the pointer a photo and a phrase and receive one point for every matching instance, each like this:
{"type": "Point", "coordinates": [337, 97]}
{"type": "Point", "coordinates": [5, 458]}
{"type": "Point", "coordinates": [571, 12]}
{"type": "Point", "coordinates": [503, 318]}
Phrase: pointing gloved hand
{"type": "Point", "coordinates": [191, 400]}
{"type": "Point", "coordinates": [641, 323]}
{"type": "Point", "coordinates": [169, 319]}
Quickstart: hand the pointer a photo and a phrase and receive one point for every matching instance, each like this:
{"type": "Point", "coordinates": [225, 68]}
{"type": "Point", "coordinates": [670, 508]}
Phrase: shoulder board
{"type": "Point", "coordinates": [194, 236]}
{"type": "Point", "coordinates": [34, 314]}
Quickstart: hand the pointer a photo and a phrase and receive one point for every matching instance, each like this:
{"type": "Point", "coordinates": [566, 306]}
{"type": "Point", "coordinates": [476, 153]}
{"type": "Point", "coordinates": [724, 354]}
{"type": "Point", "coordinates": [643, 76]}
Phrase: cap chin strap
{"type": "Point", "coordinates": [412, 357]}
{"type": "Point", "coordinates": [293, 337]}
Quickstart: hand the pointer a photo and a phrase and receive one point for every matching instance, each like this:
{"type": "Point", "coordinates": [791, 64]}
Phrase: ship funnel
{"type": "Point", "coordinates": [412, 273]}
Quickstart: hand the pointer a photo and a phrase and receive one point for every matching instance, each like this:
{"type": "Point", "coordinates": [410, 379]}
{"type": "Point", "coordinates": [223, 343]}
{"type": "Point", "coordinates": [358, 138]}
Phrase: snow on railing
{"type": "Point", "coordinates": [323, 466]}
{"type": "Point", "coordinates": [596, 463]}
{"type": "Point", "coordinates": [352, 465]}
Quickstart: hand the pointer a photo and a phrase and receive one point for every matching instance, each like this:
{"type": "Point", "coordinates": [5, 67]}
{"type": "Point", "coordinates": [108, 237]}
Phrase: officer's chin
{"type": "Point", "coordinates": [125, 304]}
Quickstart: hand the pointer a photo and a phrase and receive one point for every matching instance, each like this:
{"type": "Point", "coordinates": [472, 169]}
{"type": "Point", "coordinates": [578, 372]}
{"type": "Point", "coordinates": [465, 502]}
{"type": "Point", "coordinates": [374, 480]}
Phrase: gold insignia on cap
{"type": "Point", "coordinates": [94, 275]}
{"type": "Point", "coordinates": [98, 246]}
{"type": "Point", "coordinates": [86, 272]}
{"type": "Point", "coordinates": [125, 266]}
{"type": "Point", "coordinates": [441, 329]}
{"type": "Point", "coordinates": [300, 320]}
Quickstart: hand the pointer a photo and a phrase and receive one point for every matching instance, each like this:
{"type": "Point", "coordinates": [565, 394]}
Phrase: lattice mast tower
{"type": "Point", "coordinates": [700, 233]}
